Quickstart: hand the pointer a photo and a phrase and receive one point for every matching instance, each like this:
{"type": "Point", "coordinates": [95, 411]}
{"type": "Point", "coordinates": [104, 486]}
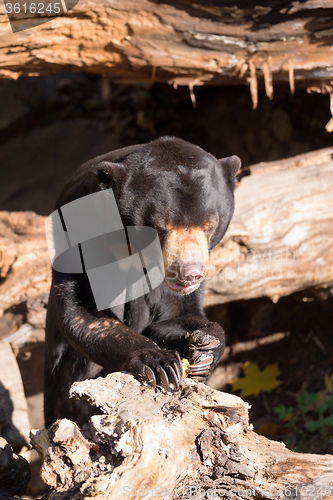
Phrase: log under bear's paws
{"type": "Point", "coordinates": [156, 367]}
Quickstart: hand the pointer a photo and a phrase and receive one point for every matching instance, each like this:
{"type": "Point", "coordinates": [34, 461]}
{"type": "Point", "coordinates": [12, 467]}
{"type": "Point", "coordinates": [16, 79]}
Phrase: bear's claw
{"type": "Point", "coordinates": [160, 367]}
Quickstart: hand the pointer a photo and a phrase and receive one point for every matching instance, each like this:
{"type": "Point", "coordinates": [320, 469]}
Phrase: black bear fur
{"type": "Point", "coordinates": [184, 193]}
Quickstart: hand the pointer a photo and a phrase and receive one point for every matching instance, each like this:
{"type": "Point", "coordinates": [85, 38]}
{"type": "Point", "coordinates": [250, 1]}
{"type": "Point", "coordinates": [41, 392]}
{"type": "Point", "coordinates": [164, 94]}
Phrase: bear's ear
{"type": "Point", "coordinates": [109, 175]}
{"type": "Point", "coordinates": [231, 166]}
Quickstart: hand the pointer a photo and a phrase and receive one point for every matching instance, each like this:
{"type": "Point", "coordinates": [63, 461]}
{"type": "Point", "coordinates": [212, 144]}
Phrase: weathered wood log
{"type": "Point", "coordinates": [25, 272]}
{"type": "Point", "coordinates": [178, 41]}
{"type": "Point", "coordinates": [14, 420]}
{"type": "Point", "coordinates": [279, 241]}
{"type": "Point", "coordinates": [280, 238]}
{"type": "Point", "coordinates": [194, 444]}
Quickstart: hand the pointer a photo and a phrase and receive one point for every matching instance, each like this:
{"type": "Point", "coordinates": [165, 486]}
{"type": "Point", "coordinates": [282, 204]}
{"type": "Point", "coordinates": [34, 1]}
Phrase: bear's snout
{"type": "Point", "coordinates": [185, 253]}
{"type": "Point", "coordinates": [192, 272]}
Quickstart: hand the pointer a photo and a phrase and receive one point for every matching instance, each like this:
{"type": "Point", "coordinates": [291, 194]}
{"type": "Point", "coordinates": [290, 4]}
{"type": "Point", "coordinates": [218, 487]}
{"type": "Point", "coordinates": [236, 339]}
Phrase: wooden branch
{"type": "Point", "coordinates": [318, 157]}
{"type": "Point", "coordinates": [178, 41]}
{"type": "Point", "coordinates": [177, 446]}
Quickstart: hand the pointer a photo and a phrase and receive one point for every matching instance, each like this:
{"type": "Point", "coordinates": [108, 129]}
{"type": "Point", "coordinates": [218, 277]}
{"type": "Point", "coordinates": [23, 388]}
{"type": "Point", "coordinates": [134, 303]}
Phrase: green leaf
{"type": "Point", "coordinates": [328, 421]}
{"type": "Point", "coordinates": [283, 412]}
{"type": "Point", "coordinates": [324, 406]}
{"type": "Point", "coordinates": [306, 399]}
{"type": "Point", "coordinates": [313, 425]}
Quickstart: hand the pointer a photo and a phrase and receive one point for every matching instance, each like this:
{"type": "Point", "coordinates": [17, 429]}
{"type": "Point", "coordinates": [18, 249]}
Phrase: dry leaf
{"type": "Point", "coordinates": [255, 380]}
{"type": "Point", "coordinates": [328, 381]}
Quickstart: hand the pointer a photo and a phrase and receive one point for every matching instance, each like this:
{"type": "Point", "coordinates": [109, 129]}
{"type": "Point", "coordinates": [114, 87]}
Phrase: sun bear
{"type": "Point", "coordinates": [186, 195]}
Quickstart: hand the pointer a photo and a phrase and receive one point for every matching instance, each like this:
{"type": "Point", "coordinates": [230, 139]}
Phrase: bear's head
{"type": "Point", "coordinates": [183, 192]}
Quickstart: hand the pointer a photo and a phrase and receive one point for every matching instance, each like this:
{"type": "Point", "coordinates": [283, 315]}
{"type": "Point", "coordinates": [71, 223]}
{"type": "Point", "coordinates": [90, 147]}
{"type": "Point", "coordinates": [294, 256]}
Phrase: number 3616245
{"type": "Point", "coordinates": [33, 8]}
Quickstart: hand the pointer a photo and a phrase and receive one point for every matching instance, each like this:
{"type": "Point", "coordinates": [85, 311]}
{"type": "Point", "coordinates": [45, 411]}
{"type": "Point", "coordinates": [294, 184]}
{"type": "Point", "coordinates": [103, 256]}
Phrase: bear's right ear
{"type": "Point", "coordinates": [109, 175]}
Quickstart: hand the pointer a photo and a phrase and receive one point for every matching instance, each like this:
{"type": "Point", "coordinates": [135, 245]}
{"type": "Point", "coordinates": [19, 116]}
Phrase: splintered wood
{"type": "Point", "coordinates": [329, 125]}
{"type": "Point", "coordinates": [196, 443]}
{"type": "Point", "coordinates": [268, 80]}
{"type": "Point", "coordinates": [179, 41]}
{"type": "Point", "coordinates": [291, 72]}
{"type": "Point", "coordinates": [253, 84]}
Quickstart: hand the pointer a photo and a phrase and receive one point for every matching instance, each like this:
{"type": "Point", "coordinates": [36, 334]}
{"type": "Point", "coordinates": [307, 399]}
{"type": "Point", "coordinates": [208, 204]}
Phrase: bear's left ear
{"type": "Point", "coordinates": [231, 166]}
{"type": "Point", "coordinates": [110, 175]}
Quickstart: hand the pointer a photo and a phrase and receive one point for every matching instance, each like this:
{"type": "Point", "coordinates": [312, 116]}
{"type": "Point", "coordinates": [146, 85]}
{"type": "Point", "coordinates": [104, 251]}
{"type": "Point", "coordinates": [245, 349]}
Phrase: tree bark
{"type": "Point", "coordinates": [185, 445]}
{"type": "Point", "coordinates": [177, 41]}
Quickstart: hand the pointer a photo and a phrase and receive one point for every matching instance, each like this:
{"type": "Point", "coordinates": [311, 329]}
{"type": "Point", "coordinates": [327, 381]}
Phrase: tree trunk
{"type": "Point", "coordinates": [196, 444]}
{"type": "Point", "coordinates": [177, 41]}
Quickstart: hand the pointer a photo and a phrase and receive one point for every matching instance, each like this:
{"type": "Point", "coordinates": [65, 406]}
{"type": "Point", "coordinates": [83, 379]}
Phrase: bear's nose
{"type": "Point", "coordinates": [192, 272]}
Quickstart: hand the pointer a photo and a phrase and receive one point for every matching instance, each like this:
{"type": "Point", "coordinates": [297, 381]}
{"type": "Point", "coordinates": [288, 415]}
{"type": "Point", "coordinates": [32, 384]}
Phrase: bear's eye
{"type": "Point", "coordinates": [209, 230]}
{"type": "Point", "coordinates": [161, 231]}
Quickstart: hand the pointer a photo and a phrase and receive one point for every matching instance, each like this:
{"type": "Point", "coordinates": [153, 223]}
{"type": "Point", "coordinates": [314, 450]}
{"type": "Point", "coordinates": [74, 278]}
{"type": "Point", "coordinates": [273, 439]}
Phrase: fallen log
{"type": "Point", "coordinates": [25, 272]}
{"type": "Point", "coordinates": [280, 238]}
{"type": "Point", "coordinates": [181, 42]}
{"type": "Point", "coordinates": [278, 242]}
{"type": "Point", "coordinates": [14, 420]}
{"type": "Point", "coordinates": [194, 444]}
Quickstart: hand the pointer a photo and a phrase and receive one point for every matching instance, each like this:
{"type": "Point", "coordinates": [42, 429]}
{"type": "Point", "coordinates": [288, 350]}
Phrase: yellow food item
{"type": "Point", "coordinates": [185, 364]}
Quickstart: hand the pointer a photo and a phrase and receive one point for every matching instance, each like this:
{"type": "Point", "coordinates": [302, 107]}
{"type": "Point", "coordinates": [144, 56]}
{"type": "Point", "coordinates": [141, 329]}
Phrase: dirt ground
{"type": "Point", "coordinates": [49, 126]}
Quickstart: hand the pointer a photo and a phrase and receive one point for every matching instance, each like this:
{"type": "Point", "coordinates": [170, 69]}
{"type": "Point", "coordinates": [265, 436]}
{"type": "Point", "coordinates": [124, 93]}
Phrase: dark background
{"type": "Point", "coordinates": [50, 126]}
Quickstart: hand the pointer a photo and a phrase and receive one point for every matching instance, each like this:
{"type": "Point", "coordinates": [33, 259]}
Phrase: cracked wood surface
{"type": "Point", "coordinates": [280, 238]}
{"type": "Point", "coordinates": [188, 444]}
{"type": "Point", "coordinates": [179, 41]}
